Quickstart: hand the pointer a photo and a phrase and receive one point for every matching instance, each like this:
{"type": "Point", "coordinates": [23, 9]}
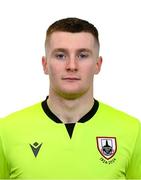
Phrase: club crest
{"type": "Point", "coordinates": [107, 146]}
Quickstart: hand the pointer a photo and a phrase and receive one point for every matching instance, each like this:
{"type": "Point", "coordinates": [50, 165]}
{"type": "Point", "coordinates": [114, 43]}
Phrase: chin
{"type": "Point", "coordinates": [71, 94]}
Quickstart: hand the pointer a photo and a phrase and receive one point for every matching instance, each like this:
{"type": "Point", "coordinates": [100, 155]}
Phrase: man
{"type": "Point", "coordinates": [70, 135]}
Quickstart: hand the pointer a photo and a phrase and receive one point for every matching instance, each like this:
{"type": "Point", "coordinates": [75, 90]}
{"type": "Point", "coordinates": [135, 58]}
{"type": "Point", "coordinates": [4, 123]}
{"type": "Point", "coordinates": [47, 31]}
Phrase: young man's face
{"type": "Point", "coordinates": [71, 62]}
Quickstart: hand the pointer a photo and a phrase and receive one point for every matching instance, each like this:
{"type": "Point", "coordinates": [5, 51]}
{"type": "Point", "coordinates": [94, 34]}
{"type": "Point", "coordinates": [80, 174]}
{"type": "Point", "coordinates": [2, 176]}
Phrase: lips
{"type": "Point", "coordinates": [71, 78]}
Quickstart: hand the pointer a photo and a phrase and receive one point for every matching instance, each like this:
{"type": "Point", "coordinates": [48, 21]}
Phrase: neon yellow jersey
{"type": "Point", "coordinates": [104, 144]}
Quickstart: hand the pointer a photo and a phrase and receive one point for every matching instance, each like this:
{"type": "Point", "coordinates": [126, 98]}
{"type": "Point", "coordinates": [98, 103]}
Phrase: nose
{"type": "Point", "coordinates": [72, 64]}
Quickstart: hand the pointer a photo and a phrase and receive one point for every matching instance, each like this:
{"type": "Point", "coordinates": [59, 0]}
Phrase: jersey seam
{"type": "Point", "coordinates": [4, 153]}
{"type": "Point", "coordinates": [133, 149]}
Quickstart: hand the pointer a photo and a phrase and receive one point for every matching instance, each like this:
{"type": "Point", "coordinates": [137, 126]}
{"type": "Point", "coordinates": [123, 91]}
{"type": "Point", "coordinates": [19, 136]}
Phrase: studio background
{"type": "Point", "coordinates": [23, 25]}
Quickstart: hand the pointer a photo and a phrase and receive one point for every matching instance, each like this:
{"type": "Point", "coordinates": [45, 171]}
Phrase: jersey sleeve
{"type": "Point", "coordinates": [4, 173]}
{"type": "Point", "coordinates": [134, 169]}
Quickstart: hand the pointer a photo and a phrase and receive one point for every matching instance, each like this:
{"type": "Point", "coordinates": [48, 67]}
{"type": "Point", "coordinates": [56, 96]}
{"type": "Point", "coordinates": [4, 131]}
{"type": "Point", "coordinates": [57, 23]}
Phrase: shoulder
{"type": "Point", "coordinates": [21, 115]}
{"type": "Point", "coordinates": [118, 117]}
{"type": "Point", "coordinates": [126, 128]}
{"type": "Point", "coordinates": [111, 111]}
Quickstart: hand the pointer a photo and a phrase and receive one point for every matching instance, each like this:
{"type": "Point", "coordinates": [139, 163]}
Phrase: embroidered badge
{"type": "Point", "coordinates": [107, 146]}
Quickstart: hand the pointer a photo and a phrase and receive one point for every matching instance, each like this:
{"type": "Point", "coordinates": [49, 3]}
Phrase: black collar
{"type": "Point", "coordinates": [85, 118]}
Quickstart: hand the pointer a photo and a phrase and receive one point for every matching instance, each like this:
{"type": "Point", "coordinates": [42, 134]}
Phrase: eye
{"type": "Point", "coordinates": [83, 55]}
{"type": "Point", "coordinates": [60, 56]}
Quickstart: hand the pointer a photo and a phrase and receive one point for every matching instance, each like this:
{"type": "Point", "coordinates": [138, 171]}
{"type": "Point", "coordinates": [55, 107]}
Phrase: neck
{"type": "Point", "coordinates": [70, 111]}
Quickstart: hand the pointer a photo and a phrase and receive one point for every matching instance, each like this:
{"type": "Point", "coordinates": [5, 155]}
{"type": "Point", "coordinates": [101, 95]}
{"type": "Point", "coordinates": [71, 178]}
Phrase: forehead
{"type": "Point", "coordinates": [71, 40]}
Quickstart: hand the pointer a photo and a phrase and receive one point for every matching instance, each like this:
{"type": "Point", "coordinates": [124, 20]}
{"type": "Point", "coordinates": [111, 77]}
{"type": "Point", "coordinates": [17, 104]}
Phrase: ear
{"type": "Point", "coordinates": [98, 64]}
{"type": "Point", "coordinates": [44, 64]}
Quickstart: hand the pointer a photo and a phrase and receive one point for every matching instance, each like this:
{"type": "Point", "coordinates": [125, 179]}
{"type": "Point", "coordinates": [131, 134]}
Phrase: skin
{"type": "Point", "coordinates": [71, 61]}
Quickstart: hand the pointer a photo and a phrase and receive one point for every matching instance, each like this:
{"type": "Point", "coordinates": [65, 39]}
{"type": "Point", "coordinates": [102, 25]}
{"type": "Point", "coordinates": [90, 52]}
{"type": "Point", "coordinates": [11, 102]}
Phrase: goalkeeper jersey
{"type": "Point", "coordinates": [103, 144]}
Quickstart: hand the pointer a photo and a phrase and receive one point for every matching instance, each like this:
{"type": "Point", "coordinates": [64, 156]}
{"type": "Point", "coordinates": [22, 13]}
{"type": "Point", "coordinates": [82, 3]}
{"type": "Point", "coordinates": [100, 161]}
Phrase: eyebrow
{"type": "Point", "coordinates": [85, 50]}
{"type": "Point", "coordinates": [59, 50]}
{"type": "Point", "coordinates": [78, 50]}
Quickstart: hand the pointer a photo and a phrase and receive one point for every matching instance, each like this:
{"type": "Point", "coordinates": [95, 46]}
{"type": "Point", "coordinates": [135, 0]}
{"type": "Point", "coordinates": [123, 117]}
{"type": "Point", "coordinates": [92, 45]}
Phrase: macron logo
{"type": "Point", "coordinates": [35, 148]}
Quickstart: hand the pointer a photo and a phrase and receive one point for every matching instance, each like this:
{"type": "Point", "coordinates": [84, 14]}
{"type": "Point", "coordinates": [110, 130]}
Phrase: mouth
{"type": "Point", "coordinates": [71, 78]}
